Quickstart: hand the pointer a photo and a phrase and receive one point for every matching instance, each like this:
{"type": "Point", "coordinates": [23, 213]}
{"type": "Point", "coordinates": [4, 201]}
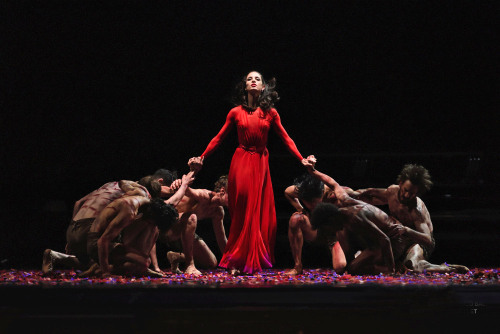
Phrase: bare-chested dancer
{"type": "Point", "coordinates": [405, 205]}
{"type": "Point", "coordinates": [85, 212]}
{"type": "Point", "coordinates": [357, 226]}
{"type": "Point", "coordinates": [138, 220]}
{"type": "Point", "coordinates": [198, 204]}
{"type": "Point", "coordinates": [126, 214]}
{"type": "Point", "coordinates": [306, 193]}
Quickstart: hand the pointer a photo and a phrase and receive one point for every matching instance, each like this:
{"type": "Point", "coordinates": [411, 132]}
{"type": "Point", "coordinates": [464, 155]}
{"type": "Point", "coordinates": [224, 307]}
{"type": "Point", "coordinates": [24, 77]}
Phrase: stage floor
{"type": "Point", "coordinates": [269, 302]}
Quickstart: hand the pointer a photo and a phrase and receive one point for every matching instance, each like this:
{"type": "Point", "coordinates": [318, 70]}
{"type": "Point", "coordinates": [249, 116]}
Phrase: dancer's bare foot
{"type": "Point", "coordinates": [52, 258]}
{"type": "Point", "coordinates": [457, 268]}
{"type": "Point", "coordinates": [174, 259]}
{"type": "Point", "coordinates": [48, 262]}
{"type": "Point", "coordinates": [191, 270]}
{"type": "Point", "coordinates": [294, 271]}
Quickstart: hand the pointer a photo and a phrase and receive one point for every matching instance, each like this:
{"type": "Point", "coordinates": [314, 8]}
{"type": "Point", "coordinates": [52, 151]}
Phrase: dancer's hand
{"type": "Point", "coordinates": [195, 164]}
{"type": "Point", "coordinates": [310, 162]}
{"type": "Point", "coordinates": [312, 159]}
{"type": "Point", "coordinates": [176, 185]}
{"type": "Point", "coordinates": [397, 230]}
{"type": "Point", "coordinates": [157, 273]}
{"type": "Point", "coordinates": [187, 179]}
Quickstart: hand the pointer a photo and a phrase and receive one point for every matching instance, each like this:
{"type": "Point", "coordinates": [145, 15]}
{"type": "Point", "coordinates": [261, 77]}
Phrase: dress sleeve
{"type": "Point", "coordinates": [280, 130]}
{"type": "Point", "coordinates": [217, 140]}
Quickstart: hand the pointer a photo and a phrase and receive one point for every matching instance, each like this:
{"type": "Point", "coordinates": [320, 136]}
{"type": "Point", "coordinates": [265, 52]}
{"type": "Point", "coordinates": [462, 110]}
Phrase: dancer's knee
{"type": "Point", "coordinates": [192, 222]}
{"type": "Point", "coordinates": [297, 220]}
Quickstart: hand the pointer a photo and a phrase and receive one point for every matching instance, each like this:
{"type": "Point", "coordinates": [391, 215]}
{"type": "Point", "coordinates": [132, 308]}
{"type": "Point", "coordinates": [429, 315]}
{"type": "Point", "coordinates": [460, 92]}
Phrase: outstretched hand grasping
{"type": "Point", "coordinates": [195, 164]}
{"type": "Point", "coordinates": [309, 162]}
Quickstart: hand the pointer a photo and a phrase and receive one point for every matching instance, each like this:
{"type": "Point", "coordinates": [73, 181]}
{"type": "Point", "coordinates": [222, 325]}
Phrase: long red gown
{"type": "Point", "coordinates": [252, 235]}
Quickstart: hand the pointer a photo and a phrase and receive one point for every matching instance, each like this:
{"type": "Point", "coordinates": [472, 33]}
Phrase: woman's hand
{"type": "Point", "coordinates": [195, 164]}
{"type": "Point", "coordinates": [309, 162]}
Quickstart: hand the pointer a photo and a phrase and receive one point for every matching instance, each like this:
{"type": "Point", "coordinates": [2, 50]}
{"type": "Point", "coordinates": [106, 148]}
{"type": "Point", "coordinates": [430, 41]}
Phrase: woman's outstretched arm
{"type": "Point", "coordinates": [217, 140]}
{"type": "Point", "coordinates": [290, 144]}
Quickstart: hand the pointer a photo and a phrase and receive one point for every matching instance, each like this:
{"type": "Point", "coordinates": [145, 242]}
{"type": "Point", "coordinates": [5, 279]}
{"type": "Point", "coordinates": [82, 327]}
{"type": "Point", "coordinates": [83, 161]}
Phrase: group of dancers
{"type": "Point", "coordinates": [115, 229]}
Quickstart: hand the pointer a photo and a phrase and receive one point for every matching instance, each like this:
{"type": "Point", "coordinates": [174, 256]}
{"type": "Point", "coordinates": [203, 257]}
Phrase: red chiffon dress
{"type": "Point", "coordinates": [252, 235]}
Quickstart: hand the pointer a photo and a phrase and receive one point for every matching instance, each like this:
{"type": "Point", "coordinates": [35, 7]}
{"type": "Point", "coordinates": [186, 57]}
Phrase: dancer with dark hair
{"type": "Point", "coordinates": [138, 221]}
{"type": "Point", "coordinates": [405, 205]}
{"type": "Point", "coordinates": [304, 195]}
{"type": "Point", "coordinates": [252, 235]}
{"type": "Point", "coordinates": [165, 177]}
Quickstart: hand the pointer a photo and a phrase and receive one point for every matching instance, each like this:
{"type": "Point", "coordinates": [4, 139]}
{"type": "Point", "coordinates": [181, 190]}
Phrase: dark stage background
{"type": "Point", "coordinates": [94, 92]}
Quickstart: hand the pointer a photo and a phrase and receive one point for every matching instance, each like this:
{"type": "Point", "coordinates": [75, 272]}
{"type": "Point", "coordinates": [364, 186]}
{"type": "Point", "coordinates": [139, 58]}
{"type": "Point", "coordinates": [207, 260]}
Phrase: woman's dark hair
{"type": "Point", "coordinates": [267, 98]}
{"type": "Point", "coordinates": [327, 214]}
{"type": "Point", "coordinates": [418, 175]}
{"type": "Point", "coordinates": [309, 187]}
{"type": "Point", "coordinates": [163, 214]}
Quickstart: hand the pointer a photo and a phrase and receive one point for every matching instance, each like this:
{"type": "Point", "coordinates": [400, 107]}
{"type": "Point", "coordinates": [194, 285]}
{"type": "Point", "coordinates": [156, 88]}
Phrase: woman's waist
{"type": "Point", "coordinates": [253, 148]}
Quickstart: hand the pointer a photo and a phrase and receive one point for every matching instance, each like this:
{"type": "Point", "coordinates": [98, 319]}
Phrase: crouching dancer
{"type": "Point", "coordinates": [85, 212]}
{"type": "Point", "coordinates": [136, 219]}
{"type": "Point", "coordinates": [139, 221]}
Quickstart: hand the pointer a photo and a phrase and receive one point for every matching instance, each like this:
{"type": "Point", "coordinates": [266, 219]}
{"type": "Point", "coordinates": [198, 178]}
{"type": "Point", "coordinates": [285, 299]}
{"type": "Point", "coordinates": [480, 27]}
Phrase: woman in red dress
{"type": "Point", "coordinates": [250, 246]}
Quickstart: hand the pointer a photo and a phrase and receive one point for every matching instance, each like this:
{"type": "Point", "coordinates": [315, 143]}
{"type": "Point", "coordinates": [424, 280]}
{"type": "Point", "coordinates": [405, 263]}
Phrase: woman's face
{"type": "Point", "coordinates": [254, 82]}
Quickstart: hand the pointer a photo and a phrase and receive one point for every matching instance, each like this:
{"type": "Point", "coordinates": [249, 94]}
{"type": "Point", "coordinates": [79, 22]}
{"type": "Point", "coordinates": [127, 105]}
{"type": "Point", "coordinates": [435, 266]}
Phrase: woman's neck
{"type": "Point", "coordinates": [253, 100]}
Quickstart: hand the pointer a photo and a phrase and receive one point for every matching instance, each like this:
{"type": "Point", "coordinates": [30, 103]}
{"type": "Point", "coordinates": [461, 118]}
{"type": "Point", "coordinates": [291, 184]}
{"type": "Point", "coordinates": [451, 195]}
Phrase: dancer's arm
{"type": "Point", "coordinates": [186, 181]}
{"type": "Point", "coordinates": [339, 261]}
{"type": "Point", "coordinates": [421, 220]}
{"type": "Point", "coordinates": [217, 140]}
{"type": "Point", "coordinates": [340, 192]}
{"type": "Point", "coordinates": [126, 185]}
{"type": "Point", "coordinates": [154, 259]}
{"type": "Point", "coordinates": [123, 219]}
{"type": "Point", "coordinates": [293, 198]}
{"type": "Point", "coordinates": [218, 226]}
{"type": "Point", "coordinates": [280, 130]}
{"type": "Point", "coordinates": [374, 196]}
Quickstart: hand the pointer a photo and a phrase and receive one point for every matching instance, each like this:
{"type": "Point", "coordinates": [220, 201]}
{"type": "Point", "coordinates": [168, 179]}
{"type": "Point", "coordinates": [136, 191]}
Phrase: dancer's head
{"type": "Point", "coordinates": [220, 190]}
{"type": "Point", "coordinates": [413, 180]}
{"type": "Point", "coordinates": [165, 177]}
{"type": "Point", "coordinates": [164, 215]}
{"type": "Point", "coordinates": [310, 189]}
{"type": "Point", "coordinates": [253, 83]}
{"type": "Point", "coordinates": [151, 185]}
{"type": "Point", "coordinates": [327, 217]}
